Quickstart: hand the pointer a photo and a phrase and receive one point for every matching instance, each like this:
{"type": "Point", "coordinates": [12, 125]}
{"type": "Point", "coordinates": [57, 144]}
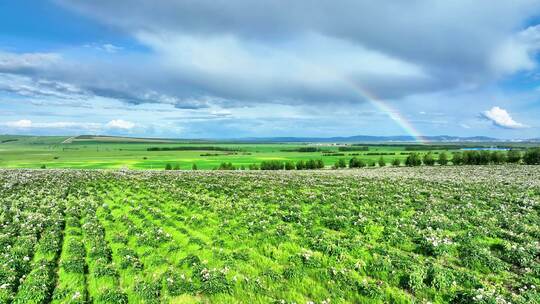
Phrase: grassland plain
{"type": "Point", "coordinates": [86, 152]}
{"type": "Point", "coordinates": [389, 235]}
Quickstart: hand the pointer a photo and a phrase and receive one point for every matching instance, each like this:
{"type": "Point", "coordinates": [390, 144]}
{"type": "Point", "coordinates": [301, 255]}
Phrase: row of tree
{"type": "Point", "coordinates": [168, 166]}
{"type": "Point", "coordinates": [310, 164]}
{"type": "Point", "coordinates": [530, 157]}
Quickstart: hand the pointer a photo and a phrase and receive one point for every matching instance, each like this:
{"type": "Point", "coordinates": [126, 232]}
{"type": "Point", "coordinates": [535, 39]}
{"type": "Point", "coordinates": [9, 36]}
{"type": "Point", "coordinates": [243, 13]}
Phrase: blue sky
{"type": "Point", "coordinates": [238, 68]}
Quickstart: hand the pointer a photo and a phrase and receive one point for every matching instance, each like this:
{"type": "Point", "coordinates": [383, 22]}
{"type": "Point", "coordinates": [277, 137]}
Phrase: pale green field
{"type": "Point", "coordinates": [34, 152]}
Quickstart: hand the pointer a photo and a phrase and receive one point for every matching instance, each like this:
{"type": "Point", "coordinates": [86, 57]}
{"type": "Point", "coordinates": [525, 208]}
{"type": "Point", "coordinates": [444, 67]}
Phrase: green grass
{"type": "Point", "coordinates": [34, 152]}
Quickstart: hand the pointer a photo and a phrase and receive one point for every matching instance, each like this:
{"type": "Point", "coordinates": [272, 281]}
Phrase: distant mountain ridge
{"type": "Point", "coordinates": [369, 138]}
{"type": "Point", "coordinates": [283, 139]}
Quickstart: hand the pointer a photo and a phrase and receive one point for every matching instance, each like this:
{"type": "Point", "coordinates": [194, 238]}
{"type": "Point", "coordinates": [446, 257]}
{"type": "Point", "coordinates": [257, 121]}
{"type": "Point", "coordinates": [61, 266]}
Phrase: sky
{"type": "Point", "coordinates": [244, 68]}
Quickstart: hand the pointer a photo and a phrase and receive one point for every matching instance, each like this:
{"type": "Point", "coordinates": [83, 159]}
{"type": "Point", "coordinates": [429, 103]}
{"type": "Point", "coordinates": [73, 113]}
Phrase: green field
{"type": "Point", "coordinates": [466, 234]}
{"type": "Point", "coordinates": [110, 152]}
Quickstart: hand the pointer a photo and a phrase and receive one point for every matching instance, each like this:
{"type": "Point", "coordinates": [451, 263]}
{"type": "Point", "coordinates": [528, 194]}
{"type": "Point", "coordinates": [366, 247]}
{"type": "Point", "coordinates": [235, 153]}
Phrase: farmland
{"type": "Point", "coordinates": [459, 234]}
{"type": "Point", "coordinates": [86, 152]}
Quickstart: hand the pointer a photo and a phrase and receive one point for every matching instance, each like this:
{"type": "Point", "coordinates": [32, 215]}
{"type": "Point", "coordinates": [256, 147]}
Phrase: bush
{"type": "Point", "coordinates": [396, 162]}
{"type": "Point", "coordinates": [532, 157]}
{"type": "Point", "coordinates": [310, 164]}
{"type": "Point", "coordinates": [300, 165]}
{"type": "Point", "coordinates": [513, 156]}
{"type": "Point", "coordinates": [226, 166]}
{"type": "Point", "coordinates": [272, 165]}
{"type": "Point", "coordinates": [341, 163]}
{"type": "Point", "coordinates": [497, 157]}
{"type": "Point", "coordinates": [413, 160]}
{"type": "Point", "coordinates": [457, 159]}
{"type": "Point", "coordinates": [253, 167]}
{"type": "Point", "coordinates": [443, 159]}
{"type": "Point", "coordinates": [382, 163]}
{"type": "Point", "coordinates": [194, 167]}
{"type": "Point", "coordinates": [289, 166]}
{"type": "Point", "coordinates": [168, 166]}
{"type": "Point", "coordinates": [356, 163]}
{"type": "Point", "coordinates": [428, 159]}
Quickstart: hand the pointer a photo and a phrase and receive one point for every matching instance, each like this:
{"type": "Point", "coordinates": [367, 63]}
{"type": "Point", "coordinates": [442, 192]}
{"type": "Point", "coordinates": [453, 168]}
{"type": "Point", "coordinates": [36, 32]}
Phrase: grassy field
{"type": "Point", "coordinates": [466, 234]}
{"type": "Point", "coordinates": [109, 152]}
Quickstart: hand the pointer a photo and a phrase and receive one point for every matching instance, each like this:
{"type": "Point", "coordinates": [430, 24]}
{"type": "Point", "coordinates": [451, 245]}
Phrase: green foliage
{"type": "Point", "coordinates": [226, 166]}
{"type": "Point", "coordinates": [532, 157]}
{"type": "Point", "coordinates": [428, 159]}
{"type": "Point", "coordinates": [382, 162]}
{"type": "Point", "coordinates": [353, 148]}
{"type": "Point", "coordinates": [457, 158]}
{"type": "Point", "coordinates": [400, 235]}
{"type": "Point", "coordinates": [149, 291]}
{"type": "Point", "coordinates": [513, 156]}
{"type": "Point", "coordinates": [272, 165]}
{"type": "Point", "coordinates": [111, 296]}
{"type": "Point", "coordinates": [356, 163]}
{"type": "Point", "coordinates": [443, 159]}
{"type": "Point", "coordinates": [413, 160]}
{"type": "Point", "coordinates": [290, 166]}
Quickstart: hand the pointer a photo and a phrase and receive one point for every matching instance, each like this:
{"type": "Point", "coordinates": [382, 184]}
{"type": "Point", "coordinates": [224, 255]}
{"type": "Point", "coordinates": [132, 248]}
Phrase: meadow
{"type": "Point", "coordinates": [445, 234]}
{"type": "Point", "coordinates": [85, 152]}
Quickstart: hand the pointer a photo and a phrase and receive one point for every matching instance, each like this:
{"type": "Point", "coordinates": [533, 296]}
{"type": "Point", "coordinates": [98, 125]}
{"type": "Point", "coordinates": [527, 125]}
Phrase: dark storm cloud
{"type": "Point", "coordinates": [447, 34]}
{"type": "Point", "coordinates": [242, 52]}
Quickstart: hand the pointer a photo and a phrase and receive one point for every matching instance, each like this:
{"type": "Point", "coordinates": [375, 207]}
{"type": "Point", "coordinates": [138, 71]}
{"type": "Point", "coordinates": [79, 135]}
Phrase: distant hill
{"type": "Point", "coordinates": [115, 139]}
{"type": "Point", "coordinates": [12, 139]}
{"type": "Point", "coordinates": [368, 138]}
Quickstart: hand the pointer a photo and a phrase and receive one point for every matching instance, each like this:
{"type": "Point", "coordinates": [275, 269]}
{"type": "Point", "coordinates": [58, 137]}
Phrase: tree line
{"type": "Point", "coordinates": [529, 157]}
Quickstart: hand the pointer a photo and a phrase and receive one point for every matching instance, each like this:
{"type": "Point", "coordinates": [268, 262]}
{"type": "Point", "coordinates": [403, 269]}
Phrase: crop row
{"type": "Point", "coordinates": [401, 235]}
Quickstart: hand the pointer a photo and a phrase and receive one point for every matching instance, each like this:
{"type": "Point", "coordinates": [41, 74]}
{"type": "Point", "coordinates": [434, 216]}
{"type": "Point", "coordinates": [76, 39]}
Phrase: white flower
{"type": "Point", "coordinates": [76, 295]}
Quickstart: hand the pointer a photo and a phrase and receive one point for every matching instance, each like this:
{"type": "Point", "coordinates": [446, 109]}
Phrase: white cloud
{"type": "Point", "coordinates": [517, 52]}
{"type": "Point", "coordinates": [501, 118]}
{"type": "Point", "coordinates": [28, 124]}
{"type": "Point", "coordinates": [23, 123]}
{"type": "Point", "coordinates": [110, 48]}
{"type": "Point", "coordinates": [15, 62]}
{"type": "Point", "coordinates": [39, 88]}
{"type": "Point", "coordinates": [120, 124]}
{"type": "Point", "coordinates": [107, 47]}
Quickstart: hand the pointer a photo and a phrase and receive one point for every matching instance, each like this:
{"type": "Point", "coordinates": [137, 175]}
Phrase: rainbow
{"type": "Point", "coordinates": [391, 112]}
{"type": "Point", "coordinates": [371, 98]}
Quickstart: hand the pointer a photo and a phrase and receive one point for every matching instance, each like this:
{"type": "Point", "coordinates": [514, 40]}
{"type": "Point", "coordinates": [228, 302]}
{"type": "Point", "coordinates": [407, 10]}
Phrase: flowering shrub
{"type": "Point", "coordinates": [442, 234]}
